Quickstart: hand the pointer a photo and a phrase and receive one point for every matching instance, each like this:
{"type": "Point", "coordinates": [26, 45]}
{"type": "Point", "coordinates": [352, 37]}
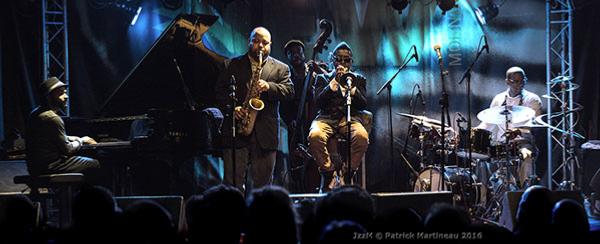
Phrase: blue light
{"type": "Point", "coordinates": [137, 14]}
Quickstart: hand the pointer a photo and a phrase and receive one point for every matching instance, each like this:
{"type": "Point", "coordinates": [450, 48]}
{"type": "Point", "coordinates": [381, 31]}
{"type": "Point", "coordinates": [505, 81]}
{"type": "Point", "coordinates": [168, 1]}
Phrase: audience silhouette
{"type": "Point", "coordinates": [345, 215]}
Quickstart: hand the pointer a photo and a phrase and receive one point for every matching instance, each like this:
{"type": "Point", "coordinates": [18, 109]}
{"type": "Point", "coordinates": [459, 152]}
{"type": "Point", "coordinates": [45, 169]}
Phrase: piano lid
{"type": "Point", "coordinates": [156, 83]}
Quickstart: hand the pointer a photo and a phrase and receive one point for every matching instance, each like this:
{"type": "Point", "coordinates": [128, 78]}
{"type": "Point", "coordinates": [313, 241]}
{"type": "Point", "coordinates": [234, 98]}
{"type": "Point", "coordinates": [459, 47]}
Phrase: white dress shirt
{"type": "Point", "coordinates": [526, 98]}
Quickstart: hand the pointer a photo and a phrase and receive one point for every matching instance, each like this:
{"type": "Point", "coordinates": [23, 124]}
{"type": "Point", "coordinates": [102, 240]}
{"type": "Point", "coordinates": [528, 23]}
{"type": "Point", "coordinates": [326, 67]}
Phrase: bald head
{"type": "Point", "coordinates": [515, 70]}
{"type": "Point", "coordinates": [260, 39]}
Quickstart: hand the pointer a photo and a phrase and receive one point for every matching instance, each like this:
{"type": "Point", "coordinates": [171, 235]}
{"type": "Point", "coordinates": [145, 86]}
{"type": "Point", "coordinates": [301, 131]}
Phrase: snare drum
{"type": "Point", "coordinates": [464, 185]}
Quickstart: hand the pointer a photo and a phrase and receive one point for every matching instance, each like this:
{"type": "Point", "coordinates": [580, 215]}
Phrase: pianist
{"type": "Point", "coordinates": [49, 149]}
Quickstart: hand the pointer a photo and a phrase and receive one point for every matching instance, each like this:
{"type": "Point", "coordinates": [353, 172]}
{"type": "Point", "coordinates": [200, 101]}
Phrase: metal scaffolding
{"type": "Point", "coordinates": [55, 42]}
{"type": "Point", "coordinates": [561, 110]}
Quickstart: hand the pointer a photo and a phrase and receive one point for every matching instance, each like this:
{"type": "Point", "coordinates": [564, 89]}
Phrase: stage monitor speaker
{"type": "Point", "coordinates": [590, 167]}
{"type": "Point", "coordinates": [418, 201]}
{"type": "Point", "coordinates": [173, 204]}
{"type": "Point", "coordinates": [511, 200]}
{"type": "Point", "coordinates": [387, 201]}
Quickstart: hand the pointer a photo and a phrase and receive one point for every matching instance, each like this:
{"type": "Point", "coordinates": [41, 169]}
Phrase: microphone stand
{"type": "Point", "coordinates": [349, 135]}
{"type": "Point", "coordinates": [233, 129]}
{"type": "Point", "coordinates": [444, 112]}
{"type": "Point", "coordinates": [467, 76]}
{"type": "Point", "coordinates": [348, 77]}
{"type": "Point", "coordinates": [388, 85]}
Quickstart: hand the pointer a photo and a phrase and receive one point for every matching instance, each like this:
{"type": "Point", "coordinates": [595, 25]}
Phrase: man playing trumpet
{"type": "Point", "coordinates": [330, 94]}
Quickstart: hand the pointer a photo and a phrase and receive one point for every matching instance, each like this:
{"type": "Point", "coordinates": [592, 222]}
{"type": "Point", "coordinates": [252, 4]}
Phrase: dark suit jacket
{"type": "Point", "coordinates": [266, 127]}
{"type": "Point", "coordinates": [47, 141]}
{"type": "Point", "coordinates": [332, 105]}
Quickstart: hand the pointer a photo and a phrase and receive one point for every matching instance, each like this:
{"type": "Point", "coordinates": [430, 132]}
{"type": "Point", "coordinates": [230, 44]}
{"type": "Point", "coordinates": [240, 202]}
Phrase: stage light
{"type": "Point", "coordinates": [446, 5]}
{"type": "Point", "coordinates": [137, 14]}
{"type": "Point", "coordinates": [399, 5]}
{"type": "Point", "coordinates": [132, 7]}
{"type": "Point", "coordinates": [487, 12]}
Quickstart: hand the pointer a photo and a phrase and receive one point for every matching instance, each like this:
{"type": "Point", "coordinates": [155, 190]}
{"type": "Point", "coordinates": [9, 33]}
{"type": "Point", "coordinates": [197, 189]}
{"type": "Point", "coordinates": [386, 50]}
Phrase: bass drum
{"type": "Point", "coordinates": [465, 187]}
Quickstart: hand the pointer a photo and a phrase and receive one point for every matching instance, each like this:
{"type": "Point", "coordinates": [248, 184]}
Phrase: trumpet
{"type": "Point", "coordinates": [346, 80]}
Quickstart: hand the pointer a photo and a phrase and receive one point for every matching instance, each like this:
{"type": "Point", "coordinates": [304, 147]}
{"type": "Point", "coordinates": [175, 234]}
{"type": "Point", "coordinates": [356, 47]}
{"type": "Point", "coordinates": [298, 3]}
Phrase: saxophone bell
{"type": "Point", "coordinates": [256, 104]}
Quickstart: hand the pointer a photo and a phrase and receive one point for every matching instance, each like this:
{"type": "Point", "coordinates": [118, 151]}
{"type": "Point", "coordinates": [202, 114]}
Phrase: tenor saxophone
{"type": "Point", "coordinates": [252, 103]}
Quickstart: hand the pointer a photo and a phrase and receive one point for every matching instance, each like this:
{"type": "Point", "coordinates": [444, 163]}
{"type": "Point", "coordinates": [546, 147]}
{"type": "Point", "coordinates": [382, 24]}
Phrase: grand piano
{"type": "Point", "coordinates": [163, 107]}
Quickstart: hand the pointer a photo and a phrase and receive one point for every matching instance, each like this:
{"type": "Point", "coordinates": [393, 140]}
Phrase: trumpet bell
{"type": "Point", "coordinates": [256, 104]}
{"type": "Point", "coordinates": [347, 76]}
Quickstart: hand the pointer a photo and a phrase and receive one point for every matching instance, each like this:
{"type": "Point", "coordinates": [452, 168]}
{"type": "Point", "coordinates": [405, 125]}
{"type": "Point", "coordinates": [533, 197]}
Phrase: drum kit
{"type": "Point", "coordinates": [479, 178]}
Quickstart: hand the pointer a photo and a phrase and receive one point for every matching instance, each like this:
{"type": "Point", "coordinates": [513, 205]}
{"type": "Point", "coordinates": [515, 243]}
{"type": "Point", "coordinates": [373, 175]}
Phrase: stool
{"type": "Point", "coordinates": [338, 152]}
{"type": "Point", "coordinates": [64, 182]}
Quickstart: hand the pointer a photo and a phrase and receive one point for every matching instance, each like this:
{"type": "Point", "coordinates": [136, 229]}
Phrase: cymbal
{"type": "Point", "coordinates": [421, 118]}
{"type": "Point", "coordinates": [497, 115]}
{"type": "Point", "coordinates": [529, 125]}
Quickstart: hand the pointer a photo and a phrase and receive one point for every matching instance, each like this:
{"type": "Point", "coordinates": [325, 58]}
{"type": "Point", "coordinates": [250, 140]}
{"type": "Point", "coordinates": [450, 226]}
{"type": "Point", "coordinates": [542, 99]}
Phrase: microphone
{"type": "Point", "coordinates": [460, 118]}
{"type": "Point", "coordinates": [485, 44]}
{"type": "Point", "coordinates": [420, 94]}
{"type": "Point", "coordinates": [416, 55]}
{"type": "Point", "coordinates": [437, 48]}
{"type": "Point", "coordinates": [349, 82]}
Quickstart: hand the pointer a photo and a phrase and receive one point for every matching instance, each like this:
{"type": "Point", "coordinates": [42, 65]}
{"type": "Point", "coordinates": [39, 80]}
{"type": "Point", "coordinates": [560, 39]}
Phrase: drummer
{"type": "Point", "coordinates": [513, 96]}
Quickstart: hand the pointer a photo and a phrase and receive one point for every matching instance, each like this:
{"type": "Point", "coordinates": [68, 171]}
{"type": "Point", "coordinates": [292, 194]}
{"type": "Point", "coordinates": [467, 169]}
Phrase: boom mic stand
{"type": "Point", "coordinates": [412, 111]}
{"type": "Point", "coordinates": [467, 76]}
{"type": "Point", "coordinates": [388, 85]}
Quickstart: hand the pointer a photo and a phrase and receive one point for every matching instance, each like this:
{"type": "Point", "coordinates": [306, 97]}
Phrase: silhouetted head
{"type": "Point", "coordinates": [569, 219]}
{"type": "Point", "coordinates": [344, 231]}
{"type": "Point", "coordinates": [445, 217]}
{"type": "Point", "coordinates": [148, 222]}
{"type": "Point", "coordinates": [534, 212]}
{"type": "Point", "coordinates": [216, 216]}
{"type": "Point", "coordinates": [346, 203]}
{"type": "Point", "coordinates": [271, 217]}
{"type": "Point", "coordinates": [18, 216]}
{"type": "Point", "coordinates": [398, 220]}
{"type": "Point", "coordinates": [93, 207]}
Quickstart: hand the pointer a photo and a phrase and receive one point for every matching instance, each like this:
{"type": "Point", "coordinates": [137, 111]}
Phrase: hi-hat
{"type": "Point", "coordinates": [498, 115]}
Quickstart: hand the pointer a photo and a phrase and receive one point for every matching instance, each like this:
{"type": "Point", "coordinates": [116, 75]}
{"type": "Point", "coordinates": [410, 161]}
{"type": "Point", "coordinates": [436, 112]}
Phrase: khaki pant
{"type": "Point", "coordinates": [321, 130]}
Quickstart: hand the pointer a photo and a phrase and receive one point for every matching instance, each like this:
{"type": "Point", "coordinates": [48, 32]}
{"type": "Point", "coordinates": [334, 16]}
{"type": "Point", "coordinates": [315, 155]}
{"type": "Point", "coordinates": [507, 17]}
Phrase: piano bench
{"type": "Point", "coordinates": [63, 184]}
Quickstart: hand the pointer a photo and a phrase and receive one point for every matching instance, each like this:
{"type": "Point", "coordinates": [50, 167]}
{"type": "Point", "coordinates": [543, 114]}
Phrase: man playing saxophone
{"type": "Point", "coordinates": [330, 93]}
{"type": "Point", "coordinates": [260, 83]}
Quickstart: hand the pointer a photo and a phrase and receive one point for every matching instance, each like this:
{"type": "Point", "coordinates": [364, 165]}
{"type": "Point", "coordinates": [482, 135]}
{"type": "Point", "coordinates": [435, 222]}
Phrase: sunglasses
{"type": "Point", "coordinates": [343, 59]}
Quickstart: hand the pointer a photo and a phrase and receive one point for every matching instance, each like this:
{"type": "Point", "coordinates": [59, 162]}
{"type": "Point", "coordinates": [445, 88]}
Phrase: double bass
{"type": "Point", "coordinates": [300, 158]}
